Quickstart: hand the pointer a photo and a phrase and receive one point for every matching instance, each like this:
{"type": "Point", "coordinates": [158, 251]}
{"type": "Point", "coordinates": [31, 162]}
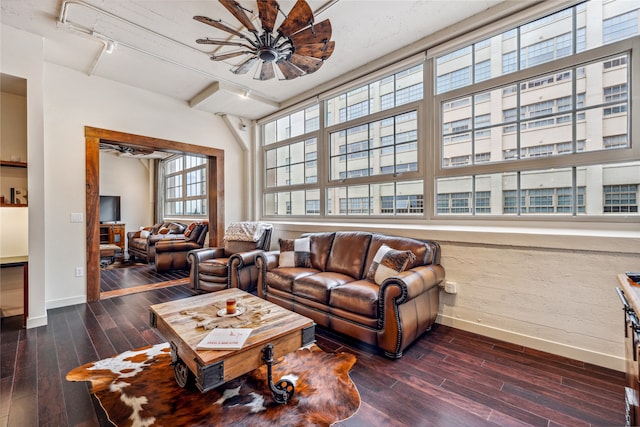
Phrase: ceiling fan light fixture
{"type": "Point", "coordinates": [267, 54]}
{"type": "Point", "coordinates": [299, 46]}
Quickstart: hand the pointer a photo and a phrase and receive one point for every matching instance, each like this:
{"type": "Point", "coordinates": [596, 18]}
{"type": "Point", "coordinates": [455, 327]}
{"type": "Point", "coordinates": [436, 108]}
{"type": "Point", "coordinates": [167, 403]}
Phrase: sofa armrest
{"type": "Point", "coordinates": [412, 283]}
{"type": "Point", "coordinates": [408, 306]}
{"type": "Point", "coordinates": [199, 255]}
{"type": "Point", "coordinates": [265, 261]}
{"type": "Point", "coordinates": [242, 259]}
{"type": "Point", "coordinates": [133, 234]}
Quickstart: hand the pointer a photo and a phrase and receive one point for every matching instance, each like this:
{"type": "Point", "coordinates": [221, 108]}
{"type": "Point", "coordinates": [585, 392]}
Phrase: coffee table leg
{"type": "Point", "coordinates": [283, 390]}
{"type": "Point", "coordinates": [180, 370]}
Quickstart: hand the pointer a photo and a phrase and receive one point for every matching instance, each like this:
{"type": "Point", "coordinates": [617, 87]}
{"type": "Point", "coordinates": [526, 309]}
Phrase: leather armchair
{"type": "Point", "coordinates": [231, 265]}
{"type": "Point", "coordinates": [172, 254]}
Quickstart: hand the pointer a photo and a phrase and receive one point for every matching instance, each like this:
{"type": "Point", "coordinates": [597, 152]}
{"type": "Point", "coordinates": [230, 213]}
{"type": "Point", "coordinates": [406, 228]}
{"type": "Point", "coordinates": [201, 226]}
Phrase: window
{"type": "Point", "coordinates": [529, 122]}
{"type": "Point", "coordinates": [621, 198]}
{"type": "Point", "coordinates": [392, 91]}
{"type": "Point", "coordinates": [546, 113]}
{"type": "Point", "coordinates": [184, 181]}
{"type": "Point", "coordinates": [381, 147]}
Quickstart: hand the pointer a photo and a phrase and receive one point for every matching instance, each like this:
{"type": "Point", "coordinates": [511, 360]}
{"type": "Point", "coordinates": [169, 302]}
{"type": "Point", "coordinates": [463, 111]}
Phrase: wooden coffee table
{"type": "Point", "coordinates": [276, 332]}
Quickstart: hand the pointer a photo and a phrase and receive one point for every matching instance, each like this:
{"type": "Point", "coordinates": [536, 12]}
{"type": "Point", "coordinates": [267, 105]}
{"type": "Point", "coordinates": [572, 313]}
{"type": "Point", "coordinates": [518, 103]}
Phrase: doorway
{"type": "Point", "coordinates": [93, 137]}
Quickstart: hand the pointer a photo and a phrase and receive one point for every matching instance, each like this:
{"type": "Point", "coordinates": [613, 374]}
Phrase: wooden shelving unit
{"type": "Point", "coordinates": [10, 164]}
{"type": "Point", "coordinates": [112, 234]}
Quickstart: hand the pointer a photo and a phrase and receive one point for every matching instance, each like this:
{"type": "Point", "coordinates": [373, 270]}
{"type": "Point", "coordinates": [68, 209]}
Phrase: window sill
{"type": "Point", "coordinates": [615, 238]}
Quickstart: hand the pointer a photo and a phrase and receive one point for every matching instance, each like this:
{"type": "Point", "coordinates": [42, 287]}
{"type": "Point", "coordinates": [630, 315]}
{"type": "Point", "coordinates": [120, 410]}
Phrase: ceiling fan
{"type": "Point", "coordinates": [131, 150]}
{"type": "Point", "coordinates": [297, 47]}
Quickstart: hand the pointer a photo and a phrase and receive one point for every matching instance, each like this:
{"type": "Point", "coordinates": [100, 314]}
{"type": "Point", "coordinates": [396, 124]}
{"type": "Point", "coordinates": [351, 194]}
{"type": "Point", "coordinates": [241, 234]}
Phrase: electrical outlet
{"type": "Point", "coordinates": [79, 272]}
{"type": "Point", "coordinates": [451, 287]}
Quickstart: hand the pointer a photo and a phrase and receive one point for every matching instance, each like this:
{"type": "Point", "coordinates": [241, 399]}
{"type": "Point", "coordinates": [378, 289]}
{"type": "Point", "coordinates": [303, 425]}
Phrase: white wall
{"type": "Point", "coordinates": [72, 101]}
{"type": "Point", "coordinates": [23, 56]}
{"type": "Point", "coordinates": [129, 178]}
{"type": "Point", "coordinates": [547, 289]}
{"type": "Point", "coordinates": [61, 102]}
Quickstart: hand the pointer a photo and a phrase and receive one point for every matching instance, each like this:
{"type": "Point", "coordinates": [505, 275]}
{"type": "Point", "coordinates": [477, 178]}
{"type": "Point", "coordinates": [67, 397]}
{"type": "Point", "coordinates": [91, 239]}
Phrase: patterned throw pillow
{"type": "Point", "coordinates": [295, 253]}
{"type": "Point", "coordinates": [189, 229]}
{"type": "Point", "coordinates": [388, 262]}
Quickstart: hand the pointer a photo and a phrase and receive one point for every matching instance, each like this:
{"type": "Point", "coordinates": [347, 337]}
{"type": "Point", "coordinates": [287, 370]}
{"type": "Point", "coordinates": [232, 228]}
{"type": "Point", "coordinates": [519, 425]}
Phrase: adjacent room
{"type": "Point", "coordinates": [320, 212]}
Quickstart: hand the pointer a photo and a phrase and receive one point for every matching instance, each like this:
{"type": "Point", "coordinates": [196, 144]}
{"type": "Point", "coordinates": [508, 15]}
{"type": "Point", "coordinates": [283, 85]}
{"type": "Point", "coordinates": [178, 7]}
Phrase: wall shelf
{"type": "Point", "coordinates": [13, 164]}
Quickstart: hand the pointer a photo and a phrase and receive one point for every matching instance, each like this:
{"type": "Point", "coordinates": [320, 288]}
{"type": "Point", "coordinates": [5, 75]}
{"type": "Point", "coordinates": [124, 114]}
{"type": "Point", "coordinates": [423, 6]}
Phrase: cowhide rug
{"type": "Point", "coordinates": [137, 388]}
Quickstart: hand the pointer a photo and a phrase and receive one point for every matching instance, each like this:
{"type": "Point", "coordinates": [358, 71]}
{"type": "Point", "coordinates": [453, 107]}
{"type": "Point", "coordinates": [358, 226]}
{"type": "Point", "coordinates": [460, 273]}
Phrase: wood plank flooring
{"type": "Point", "coordinates": [145, 274]}
{"type": "Point", "coordinates": [447, 378]}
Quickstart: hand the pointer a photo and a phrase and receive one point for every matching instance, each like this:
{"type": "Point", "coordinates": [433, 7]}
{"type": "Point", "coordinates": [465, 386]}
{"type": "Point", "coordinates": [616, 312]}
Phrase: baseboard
{"type": "Point", "coordinates": [34, 322]}
{"type": "Point", "coordinates": [584, 355]}
{"type": "Point", "coordinates": [64, 302]}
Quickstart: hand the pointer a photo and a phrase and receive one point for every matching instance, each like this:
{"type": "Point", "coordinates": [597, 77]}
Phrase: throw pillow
{"type": "Point", "coordinates": [144, 233]}
{"type": "Point", "coordinates": [163, 230]}
{"type": "Point", "coordinates": [175, 228]}
{"type": "Point", "coordinates": [295, 252]}
{"type": "Point", "coordinates": [189, 229]}
{"type": "Point", "coordinates": [388, 262]}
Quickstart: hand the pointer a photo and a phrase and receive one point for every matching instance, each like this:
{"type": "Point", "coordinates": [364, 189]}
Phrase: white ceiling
{"type": "Point", "coordinates": [156, 50]}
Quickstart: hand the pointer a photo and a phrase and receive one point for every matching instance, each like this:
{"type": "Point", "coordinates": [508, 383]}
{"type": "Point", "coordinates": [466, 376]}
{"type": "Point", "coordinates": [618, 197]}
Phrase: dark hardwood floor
{"type": "Point", "coordinates": [447, 378]}
{"type": "Point", "coordinates": [132, 276]}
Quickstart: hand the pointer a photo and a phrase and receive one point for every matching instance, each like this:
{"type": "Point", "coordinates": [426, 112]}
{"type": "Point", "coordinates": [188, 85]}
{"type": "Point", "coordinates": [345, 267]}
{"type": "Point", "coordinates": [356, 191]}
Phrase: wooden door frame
{"type": "Point", "coordinates": [93, 137]}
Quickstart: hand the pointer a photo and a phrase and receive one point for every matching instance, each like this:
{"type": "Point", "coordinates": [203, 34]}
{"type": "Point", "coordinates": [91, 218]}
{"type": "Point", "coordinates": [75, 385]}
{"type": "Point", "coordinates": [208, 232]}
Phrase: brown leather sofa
{"type": "Point", "coordinates": [171, 254]}
{"type": "Point", "coordinates": [231, 265]}
{"type": "Point", "coordinates": [336, 289]}
{"type": "Point", "coordinates": [141, 244]}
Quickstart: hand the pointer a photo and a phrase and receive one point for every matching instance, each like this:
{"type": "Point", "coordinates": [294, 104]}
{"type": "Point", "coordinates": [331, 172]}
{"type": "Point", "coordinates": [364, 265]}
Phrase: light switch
{"type": "Point", "coordinates": [76, 217]}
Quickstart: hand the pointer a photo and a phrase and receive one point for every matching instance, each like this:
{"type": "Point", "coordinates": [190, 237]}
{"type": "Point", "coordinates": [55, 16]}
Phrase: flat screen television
{"type": "Point", "coordinates": [109, 209]}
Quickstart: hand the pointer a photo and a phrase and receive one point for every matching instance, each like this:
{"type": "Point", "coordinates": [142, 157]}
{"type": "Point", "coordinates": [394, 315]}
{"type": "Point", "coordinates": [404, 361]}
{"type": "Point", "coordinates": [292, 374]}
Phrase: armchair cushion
{"type": "Point", "coordinates": [388, 262]}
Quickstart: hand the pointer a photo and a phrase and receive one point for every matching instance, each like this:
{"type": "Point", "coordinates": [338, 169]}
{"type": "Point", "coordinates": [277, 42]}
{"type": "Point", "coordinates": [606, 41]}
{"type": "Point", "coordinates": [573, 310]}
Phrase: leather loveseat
{"type": "Point", "coordinates": [142, 243]}
{"type": "Point", "coordinates": [333, 279]}
{"type": "Point", "coordinates": [171, 254]}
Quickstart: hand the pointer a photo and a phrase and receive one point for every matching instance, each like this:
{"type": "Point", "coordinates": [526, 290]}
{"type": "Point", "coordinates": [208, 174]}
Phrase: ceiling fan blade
{"type": "Point", "coordinates": [306, 63]}
{"type": "Point", "coordinates": [266, 71]}
{"type": "Point", "coordinates": [229, 55]}
{"type": "Point", "coordinates": [316, 33]}
{"type": "Point", "coordinates": [219, 25]}
{"type": "Point", "coordinates": [222, 43]}
{"type": "Point", "coordinates": [316, 50]}
{"type": "Point", "coordinates": [289, 71]}
{"type": "Point", "coordinates": [245, 66]}
{"type": "Point", "coordinates": [240, 14]}
{"type": "Point", "coordinates": [300, 17]}
{"type": "Point", "coordinates": [268, 12]}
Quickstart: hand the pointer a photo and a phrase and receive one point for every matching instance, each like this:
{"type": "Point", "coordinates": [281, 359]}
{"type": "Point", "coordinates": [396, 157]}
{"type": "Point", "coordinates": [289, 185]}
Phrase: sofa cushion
{"type": "Point", "coordinates": [318, 286]}
{"type": "Point", "coordinates": [283, 278]}
{"type": "Point", "coordinates": [360, 296]}
{"type": "Point", "coordinates": [295, 252]}
{"type": "Point", "coordinates": [348, 253]}
{"type": "Point", "coordinates": [388, 262]}
{"type": "Point", "coordinates": [138, 242]}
